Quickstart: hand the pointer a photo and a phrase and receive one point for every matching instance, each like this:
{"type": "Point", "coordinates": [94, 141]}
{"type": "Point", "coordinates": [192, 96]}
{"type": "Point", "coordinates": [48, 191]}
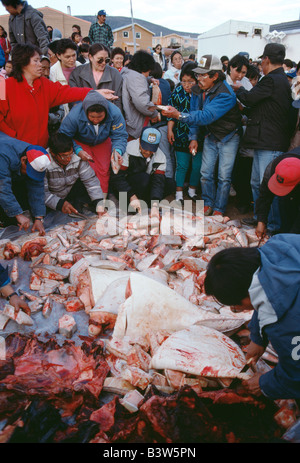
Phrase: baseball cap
{"type": "Point", "coordinates": [286, 176]}
{"type": "Point", "coordinates": [208, 63]}
{"type": "Point", "coordinates": [274, 50]}
{"type": "Point", "coordinates": [37, 162]}
{"type": "Point", "coordinates": [291, 73]}
{"type": "Point", "coordinates": [101, 13]}
{"type": "Point", "coordinates": [150, 139]}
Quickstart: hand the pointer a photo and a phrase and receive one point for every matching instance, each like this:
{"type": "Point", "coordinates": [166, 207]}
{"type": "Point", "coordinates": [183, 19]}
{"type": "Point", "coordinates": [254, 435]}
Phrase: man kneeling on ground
{"type": "Point", "coordinates": [70, 182]}
{"type": "Point", "coordinates": [142, 174]}
{"type": "Point", "coordinates": [266, 280]}
{"type": "Point", "coordinates": [22, 171]}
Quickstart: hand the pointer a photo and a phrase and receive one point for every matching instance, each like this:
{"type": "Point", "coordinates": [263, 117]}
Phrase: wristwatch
{"type": "Point", "coordinates": [182, 117]}
{"type": "Point", "coordinates": [12, 294]}
{"type": "Point", "coordinates": [39, 218]}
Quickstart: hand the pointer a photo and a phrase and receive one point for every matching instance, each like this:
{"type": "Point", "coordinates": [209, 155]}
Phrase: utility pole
{"type": "Point", "coordinates": [133, 30]}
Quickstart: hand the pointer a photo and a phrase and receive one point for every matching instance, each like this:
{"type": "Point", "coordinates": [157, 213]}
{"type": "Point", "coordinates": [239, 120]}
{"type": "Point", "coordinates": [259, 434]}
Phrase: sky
{"type": "Point", "coordinates": [183, 15]}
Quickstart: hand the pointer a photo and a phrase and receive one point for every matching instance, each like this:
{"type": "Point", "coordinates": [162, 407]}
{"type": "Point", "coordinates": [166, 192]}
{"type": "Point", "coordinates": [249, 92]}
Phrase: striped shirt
{"type": "Point", "coordinates": [59, 181]}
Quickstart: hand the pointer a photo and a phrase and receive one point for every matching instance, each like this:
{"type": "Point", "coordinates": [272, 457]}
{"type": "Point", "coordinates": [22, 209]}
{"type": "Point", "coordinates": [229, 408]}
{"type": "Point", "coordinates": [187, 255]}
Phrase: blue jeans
{"type": "Point", "coordinates": [183, 161]}
{"type": "Point", "coordinates": [261, 159]}
{"type": "Point", "coordinates": [225, 153]}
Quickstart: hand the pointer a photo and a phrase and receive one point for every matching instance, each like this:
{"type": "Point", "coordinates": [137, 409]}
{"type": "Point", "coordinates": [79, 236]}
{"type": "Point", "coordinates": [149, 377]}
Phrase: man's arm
{"type": "Point", "coordinates": [262, 90]}
{"type": "Point", "coordinates": [40, 30]}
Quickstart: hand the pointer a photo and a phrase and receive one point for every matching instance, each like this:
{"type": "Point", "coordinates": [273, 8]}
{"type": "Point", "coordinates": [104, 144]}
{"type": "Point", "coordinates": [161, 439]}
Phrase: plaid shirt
{"type": "Point", "coordinates": [101, 34]}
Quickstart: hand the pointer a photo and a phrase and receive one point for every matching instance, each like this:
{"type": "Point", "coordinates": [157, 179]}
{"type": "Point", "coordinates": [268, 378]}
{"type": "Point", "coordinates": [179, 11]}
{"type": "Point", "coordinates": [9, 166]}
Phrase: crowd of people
{"type": "Point", "coordinates": [82, 120]}
{"type": "Point", "coordinates": [196, 130]}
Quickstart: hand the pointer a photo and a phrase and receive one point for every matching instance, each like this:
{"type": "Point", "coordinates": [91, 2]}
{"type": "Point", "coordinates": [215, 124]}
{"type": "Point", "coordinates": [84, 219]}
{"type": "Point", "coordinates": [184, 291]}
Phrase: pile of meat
{"type": "Point", "coordinates": [156, 342]}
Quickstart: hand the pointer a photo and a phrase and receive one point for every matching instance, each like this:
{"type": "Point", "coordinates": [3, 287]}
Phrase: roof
{"type": "Point", "coordinates": [61, 12]}
{"type": "Point", "coordinates": [130, 25]}
{"type": "Point", "coordinates": [287, 26]}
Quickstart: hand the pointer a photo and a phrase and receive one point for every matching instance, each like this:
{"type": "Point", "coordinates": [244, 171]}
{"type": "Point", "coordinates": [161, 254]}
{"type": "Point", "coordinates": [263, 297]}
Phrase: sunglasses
{"type": "Point", "coordinates": [101, 60]}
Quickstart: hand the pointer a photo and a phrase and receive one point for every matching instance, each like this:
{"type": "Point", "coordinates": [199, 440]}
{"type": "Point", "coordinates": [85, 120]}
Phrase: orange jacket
{"type": "Point", "coordinates": [24, 113]}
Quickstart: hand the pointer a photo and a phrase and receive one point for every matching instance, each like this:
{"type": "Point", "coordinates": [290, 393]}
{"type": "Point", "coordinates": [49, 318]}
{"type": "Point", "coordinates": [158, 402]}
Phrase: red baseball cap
{"type": "Point", "coordinates": [286, 176]}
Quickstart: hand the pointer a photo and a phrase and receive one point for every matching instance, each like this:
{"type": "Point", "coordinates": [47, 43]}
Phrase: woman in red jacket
{"type": "Point", "coordinates": [29, 97]}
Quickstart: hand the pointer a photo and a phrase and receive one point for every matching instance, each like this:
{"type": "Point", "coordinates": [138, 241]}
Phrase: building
{"type": "Point", "coordinates": [123, 38]}
{"type": "Point", "coordinates": [58, 20]}
{"type": "Point", "coordinates": [175, 41]}
{"type": "Point", "coordinates": [287, 33]}
{"type": "Point", "coordinates": [232, 37]}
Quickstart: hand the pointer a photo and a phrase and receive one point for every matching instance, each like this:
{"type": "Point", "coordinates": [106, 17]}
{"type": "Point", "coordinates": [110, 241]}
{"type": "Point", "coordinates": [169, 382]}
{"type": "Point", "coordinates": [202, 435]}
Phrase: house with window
{"type": "Point", "coordinates": [233, 37]}
{"type": "Point", "coordinates": [175, 41]}
{"type": "Point", "coordinates": [123, 37]}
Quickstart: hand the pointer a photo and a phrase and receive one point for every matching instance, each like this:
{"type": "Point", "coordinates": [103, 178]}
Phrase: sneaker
{"type": "Point", "coordinates": [207, 210]}
{"type": "Point", "coordinates": [217, 213]}
{"type": "Point", "coordinates": [232, 191]}
{"type": "Point", "coordinates": [249, 221]}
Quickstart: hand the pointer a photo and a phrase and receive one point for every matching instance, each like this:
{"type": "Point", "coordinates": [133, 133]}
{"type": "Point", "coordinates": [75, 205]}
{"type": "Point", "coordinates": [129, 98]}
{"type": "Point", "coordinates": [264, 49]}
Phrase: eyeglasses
{"type": "Point", "coordinates": [65, 156]}
{"type": "Point", "coordinates": [101, 60]}
{"type": "Point", "coordinates": [188, 83]}
{"type": "Point", "coordinates": [202, 76]}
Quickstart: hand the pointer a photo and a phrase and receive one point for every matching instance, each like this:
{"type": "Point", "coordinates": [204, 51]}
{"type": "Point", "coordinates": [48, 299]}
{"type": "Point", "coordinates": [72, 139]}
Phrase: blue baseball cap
{"type": "Point", "coordinates": [150, 139]}
{"type": "Point", "coordinates": [101, 13]}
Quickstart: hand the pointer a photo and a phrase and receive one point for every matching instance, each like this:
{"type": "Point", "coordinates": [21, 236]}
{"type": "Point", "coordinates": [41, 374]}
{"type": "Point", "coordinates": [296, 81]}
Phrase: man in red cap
{"type": "Point", "coordinates": [282, 179]}
{"type": "Point", "coordinates": [22, 172]}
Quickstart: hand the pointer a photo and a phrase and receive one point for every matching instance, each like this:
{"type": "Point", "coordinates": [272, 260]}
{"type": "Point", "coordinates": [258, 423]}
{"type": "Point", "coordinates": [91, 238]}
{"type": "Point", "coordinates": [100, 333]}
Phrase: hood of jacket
{"type": "Point", "coordinates": [28, 10]}
{"type": "Point", "coordinates": [56, 34]}
{"type": "Point", "coordinates": [279, 273]}
{"type": "Point", "coordinates": [93, 97]}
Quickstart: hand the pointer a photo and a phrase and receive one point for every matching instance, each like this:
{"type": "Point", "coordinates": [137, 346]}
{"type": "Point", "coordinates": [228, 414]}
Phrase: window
{"type": "Point", "coordinates": [126, 34]}
{"type": "Point", "coordinates": [257, 31]}
{"type": "Point", "coordinates": [137, 35]}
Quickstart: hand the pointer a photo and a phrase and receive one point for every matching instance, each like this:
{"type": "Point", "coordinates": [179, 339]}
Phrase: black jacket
{"type": "Point", "coordinates": [270, 116]}
{"type": "Point", "coordinates": [264, 201]}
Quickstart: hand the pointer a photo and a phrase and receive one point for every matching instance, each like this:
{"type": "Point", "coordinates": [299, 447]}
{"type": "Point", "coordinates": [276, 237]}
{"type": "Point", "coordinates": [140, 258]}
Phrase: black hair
{"type": "Point", "coordinates": [98, 47]}
{"type": "Point", "coordinates": [298, 67]}
{"type": "Point", "coordinates": [224, 58]}
{"type": "Point", "coordinates": [86, 40]}
{"type": "Point", "coordinates": [63, 45]}
{"type": "Point", "coordinates": [187, 70]}
{"type": "Point", "coordinates": [73, 35]}
{"type": "Point", "coordinates": [53, 46]}
{"type": "Point", "coordinates": [238, 61]}
{"type": "Point", "coordinates": [13, 3]}
{"type": "Point", "coordinates": [77, 27]}
{"type": "Point", "coordinates": [288, 63]}
{"type": "Point", "coordinates": [20, 57]}
{"type": "Point", "coordinates": [157, 72]}
{"type": "Point", "coordinates": [60, 143]}
{"type": "Point", "coordinates": [172, 84]}
{"type": "Point", "coordinates": [97, 108]}
{"type": "Point", "coordinates": [142, 61]}
{"type": "Point", "coordinates": [4, 32]}
{"type": "Point", "coordinates": [192, 56]}
{"type": "Point", "coordinates": [253, 72]}
{"type": "Point", "coordinates": [229, 274]}
{"type": "Point", "coordinates": [220, 78]}
{"type": "Point", "coordinates": [117, 51]}
{"type": "Point", "coordinates": [154, 49]}
{"type": "Point", "coordinates": [175, 52]}
{"type": "Point", "coordinates": [84, 48]}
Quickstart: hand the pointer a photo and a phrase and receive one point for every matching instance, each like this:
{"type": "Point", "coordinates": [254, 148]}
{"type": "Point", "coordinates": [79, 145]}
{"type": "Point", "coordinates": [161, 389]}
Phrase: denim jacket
{"type": "Point", "coordinates": [10, 163]}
